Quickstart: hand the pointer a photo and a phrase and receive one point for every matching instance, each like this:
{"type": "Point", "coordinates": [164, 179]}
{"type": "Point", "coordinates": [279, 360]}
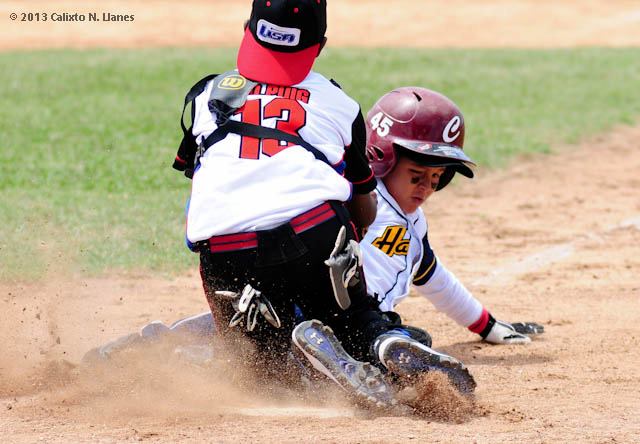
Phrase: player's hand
{"type": "Point", "coordinates": [528, 328]}
{"type": "Point", "coordinates": [505, 333]}
{"type": "Point", "coordinates": [248, 306]}
{"type": "Point", "coordinates": [344, 265]}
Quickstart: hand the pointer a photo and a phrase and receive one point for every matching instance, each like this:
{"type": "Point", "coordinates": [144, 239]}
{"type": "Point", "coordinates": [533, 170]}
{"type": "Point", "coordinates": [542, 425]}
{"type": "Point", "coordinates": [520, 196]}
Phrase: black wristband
{"type": "Point", "coordinates": [487, 329]}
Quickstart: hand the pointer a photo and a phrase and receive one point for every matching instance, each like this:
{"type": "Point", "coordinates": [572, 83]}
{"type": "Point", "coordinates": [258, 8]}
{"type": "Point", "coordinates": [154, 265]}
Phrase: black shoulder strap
{"type": "Point", "coordinates": [194, 92]}
{"type": "Point", "coordinates": [260, 132]}
{"type": "Point", "coordinates": [186, 154]}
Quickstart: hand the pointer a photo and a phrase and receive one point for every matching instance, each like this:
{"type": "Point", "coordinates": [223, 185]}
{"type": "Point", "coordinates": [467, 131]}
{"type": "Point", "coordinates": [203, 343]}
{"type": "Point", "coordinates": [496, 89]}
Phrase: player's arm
{"type": "Point", "coordinates": [451, 297]}
{"type": "Point", "coordinates": [362, 205]}
{"type": "Point", "coordinates": [362, 208]}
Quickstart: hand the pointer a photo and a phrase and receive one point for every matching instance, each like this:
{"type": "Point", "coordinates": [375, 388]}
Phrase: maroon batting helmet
{"type": "Point", "coordinates": [426, 124]}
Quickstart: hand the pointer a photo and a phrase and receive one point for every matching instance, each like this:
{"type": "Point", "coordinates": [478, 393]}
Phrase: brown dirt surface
{"type": "Point", "coordinates": [552, 238]}
{"type": "Point", "coordinates": [404, 23]}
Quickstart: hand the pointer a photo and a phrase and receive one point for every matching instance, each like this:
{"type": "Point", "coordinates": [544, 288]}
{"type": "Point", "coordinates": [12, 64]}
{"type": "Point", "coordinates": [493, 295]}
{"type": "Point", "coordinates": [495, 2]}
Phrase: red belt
{"type": "Point", "coordinates": [243, 241]}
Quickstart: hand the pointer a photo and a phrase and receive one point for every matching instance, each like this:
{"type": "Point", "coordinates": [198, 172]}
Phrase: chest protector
{"type": "Point", "coordinates": [228, 94]}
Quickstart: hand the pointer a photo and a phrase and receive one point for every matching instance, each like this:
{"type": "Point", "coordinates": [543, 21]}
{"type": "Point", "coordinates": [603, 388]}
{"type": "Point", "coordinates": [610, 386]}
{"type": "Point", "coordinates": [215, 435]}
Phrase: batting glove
{"type": "Point", "coordinates": [248, 306]}
{"type": "Point", "coordinates": [344, 267]}
{"type": "Point", "coordinates": [504, 333]}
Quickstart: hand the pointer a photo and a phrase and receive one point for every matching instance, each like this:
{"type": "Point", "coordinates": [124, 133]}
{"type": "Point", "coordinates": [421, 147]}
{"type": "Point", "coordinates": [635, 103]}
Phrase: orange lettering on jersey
{"type": "Point", "coordinates": [392, 241]}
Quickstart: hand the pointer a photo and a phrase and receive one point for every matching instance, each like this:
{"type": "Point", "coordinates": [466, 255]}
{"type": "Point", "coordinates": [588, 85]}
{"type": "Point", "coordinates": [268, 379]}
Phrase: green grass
{"type": "Point", "coordinates": [513, 101]}
{"type": "Point", "coordinates": [87, 137]}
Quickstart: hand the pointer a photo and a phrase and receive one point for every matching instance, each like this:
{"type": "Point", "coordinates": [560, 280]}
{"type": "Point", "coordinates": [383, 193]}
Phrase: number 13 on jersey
{"type": "Point", "coordinates": [290, 117]}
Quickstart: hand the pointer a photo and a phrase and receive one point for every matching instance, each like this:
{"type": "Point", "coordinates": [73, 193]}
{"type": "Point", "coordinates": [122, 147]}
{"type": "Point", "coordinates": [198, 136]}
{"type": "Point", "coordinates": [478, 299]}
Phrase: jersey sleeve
{"type": "Point", "coordinates": [357, 169]}
{"type": "Point", "coordinates": [428, 264]}
{"type": "Point", "coordinates": [449, 296]}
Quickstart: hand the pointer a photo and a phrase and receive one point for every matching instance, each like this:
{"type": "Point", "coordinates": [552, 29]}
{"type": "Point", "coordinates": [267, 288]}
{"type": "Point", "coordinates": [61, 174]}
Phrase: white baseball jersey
{"type": "Point", "coordinates": [397, 254]}
{"type": "Point", "coordinates": [247, 184]}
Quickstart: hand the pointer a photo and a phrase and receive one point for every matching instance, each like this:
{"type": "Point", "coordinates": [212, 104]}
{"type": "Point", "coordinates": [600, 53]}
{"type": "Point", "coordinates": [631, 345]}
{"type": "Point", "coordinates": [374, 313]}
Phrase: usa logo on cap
{"type": "Point", "coordinates": [276, 35]}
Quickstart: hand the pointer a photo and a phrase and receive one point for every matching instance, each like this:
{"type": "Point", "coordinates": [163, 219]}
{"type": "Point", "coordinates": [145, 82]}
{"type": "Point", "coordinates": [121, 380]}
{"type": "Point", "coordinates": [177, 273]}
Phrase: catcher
{"type": "Point", "coordinates": [276, 152]}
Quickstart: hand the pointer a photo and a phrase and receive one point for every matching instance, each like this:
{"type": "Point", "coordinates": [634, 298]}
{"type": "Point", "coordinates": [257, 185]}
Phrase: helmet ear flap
{"type": "Point", "coordinates": [381, 159]}
{"type": "Point", "coordinates": [375, 154]}
{"type": "Point", "coordinates": [446, 177]}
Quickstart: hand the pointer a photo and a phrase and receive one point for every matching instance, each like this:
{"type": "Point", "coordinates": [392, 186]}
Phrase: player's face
{"type": "Point", "coordinates": [411, 184]}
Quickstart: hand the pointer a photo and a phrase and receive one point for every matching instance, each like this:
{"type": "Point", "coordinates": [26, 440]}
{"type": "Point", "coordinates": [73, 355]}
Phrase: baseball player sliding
{"type": "Point", "coordinates": [415, 146]}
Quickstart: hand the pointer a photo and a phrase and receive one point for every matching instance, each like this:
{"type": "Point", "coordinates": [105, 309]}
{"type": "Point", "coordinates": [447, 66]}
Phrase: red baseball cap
{"type": "Point", "coordinates": [282, 40]}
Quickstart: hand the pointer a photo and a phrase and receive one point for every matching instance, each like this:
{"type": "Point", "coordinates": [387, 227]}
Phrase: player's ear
{"type": "Point", "coordinates": [322, 44]}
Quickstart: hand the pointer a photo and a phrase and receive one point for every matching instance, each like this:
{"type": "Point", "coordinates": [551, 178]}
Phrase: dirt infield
{"type": "Point", "coordinates": [552, 239]}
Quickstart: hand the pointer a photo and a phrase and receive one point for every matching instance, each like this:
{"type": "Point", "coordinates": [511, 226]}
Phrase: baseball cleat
{"type": "Point", "coordinates": [361, 380]}
{"type": "Point", "coordinates": [113, 348]}
{"type": "Point", "coordinates": [406, 357]}
{"type": "Point", "coordinates": [154, 331]}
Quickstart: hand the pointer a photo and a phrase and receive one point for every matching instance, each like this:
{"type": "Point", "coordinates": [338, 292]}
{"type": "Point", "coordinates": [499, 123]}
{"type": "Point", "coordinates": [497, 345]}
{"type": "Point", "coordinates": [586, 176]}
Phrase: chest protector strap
{"type": "Point", "coordinates": [228, 94]}
{"type": "Point", "coordinates": [185, 158]}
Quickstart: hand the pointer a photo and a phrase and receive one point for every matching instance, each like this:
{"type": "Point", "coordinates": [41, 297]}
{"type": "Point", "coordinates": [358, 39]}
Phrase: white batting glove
{"type": "Point", "coordinates": [504, 333]}
{"type": "Point", "coordinates": [344, 267]}
{"type": "Point", "coordinates": [248, 305]}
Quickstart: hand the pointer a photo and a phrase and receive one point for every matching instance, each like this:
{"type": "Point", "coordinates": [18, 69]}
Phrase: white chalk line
{"type": "Point", "coordinates": [315, 412]}
{"type": "Point", "coordinates": [549, 256]}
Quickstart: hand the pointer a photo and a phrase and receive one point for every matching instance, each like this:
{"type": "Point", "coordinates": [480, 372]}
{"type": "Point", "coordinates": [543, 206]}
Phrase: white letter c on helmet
{"type": "Point", "coordinates": [452, 130]}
